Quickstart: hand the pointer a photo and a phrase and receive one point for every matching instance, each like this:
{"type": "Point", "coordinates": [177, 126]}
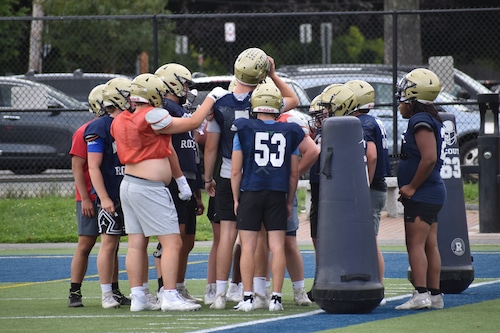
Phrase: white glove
{"type": "Point", "coordinates": [217, 93]}
{"type": "Point", "coordinates": [159, 118]}
{"type": "Point", "coordinates": [184, 189]}
{"type": "Point", "coordinates": [201, 127]}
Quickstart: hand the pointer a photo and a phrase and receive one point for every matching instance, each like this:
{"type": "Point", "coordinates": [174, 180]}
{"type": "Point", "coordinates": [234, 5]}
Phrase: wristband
{"type": "Point", "coordinates": [208, 181]}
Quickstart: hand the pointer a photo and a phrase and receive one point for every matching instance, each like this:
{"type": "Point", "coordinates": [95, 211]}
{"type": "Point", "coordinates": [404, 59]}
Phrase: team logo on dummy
{"type": "Point", "coordinates": [450, 151]}
{"type": "Point", "coordinates": [450, 135]}
{"type": "Point", "coordinates": [458, 246]}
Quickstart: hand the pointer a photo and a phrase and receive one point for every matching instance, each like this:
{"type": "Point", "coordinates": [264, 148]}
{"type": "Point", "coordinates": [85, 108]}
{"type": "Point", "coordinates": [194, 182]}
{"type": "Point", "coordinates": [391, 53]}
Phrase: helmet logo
{"type": "Point", "coordinates": [450, 136]}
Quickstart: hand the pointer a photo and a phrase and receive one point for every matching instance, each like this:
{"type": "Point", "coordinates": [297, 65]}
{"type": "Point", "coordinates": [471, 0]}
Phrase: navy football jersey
{"type": "Point", "coordinates": [111, 167]}
{"type": "Point", "coordinates": [374, 130]}
{"type": "Point", "coordinates": [184, 143]}
{"type": "Point", "coordinates": [432, 190]}
{"type": "Point", "coordinates": [226, 110]}
{"type": "Point", "coordinates": [314, 172]}
{"type": "Point", "coordinates": [267, 149]}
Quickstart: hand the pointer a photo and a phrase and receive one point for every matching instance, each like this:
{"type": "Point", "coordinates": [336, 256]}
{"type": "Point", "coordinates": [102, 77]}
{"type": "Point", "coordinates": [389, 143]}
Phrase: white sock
{"type": "Point", "coordinates": [259, 285]}
{"type": "Point", "coordinates": [170, 294]}
{"type": "Point", "coordinates": [106, 287]}
{"type": "Point", "coordinates": [298, 284]}
{"type": "Point", "coordinates": [221, 287]}
{"type": "Point", "coordinates": [138, 293]}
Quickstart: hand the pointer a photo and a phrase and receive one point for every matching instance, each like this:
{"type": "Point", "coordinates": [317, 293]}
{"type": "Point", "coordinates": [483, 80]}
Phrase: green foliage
{"type": "Point", "coordinates": [12, 34]}
{"type": "Point", "coordinates": [353, 47]}
{"type": "Point", "coordinates": [471, 193]}
{"type": "Point", "coordinates": [120, 41]}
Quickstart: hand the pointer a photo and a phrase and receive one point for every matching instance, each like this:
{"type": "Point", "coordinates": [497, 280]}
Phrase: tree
{"type": "Point", "coordinates": [104, 45]}
{"type": "Point", "coordinates": [12, 34]}
{"type": "Point", "coordinates": [409, 44]}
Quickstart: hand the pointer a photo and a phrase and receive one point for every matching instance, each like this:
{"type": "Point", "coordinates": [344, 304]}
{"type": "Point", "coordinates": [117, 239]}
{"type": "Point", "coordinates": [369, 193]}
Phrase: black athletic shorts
{"type": "Point", "coordinates": [186, 209]}
{"type": "Point", "coordinates": [263, 207]}
{"type": "Point", "coordinates": [224, 204]}
{"type": "Point", "coordinates": [313, 214]}
{"type": "Point", "coordinates": [427, 212]}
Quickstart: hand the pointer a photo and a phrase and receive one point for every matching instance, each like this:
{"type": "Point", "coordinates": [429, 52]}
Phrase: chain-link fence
{"type": "Point", "coordinates": [314, 49]}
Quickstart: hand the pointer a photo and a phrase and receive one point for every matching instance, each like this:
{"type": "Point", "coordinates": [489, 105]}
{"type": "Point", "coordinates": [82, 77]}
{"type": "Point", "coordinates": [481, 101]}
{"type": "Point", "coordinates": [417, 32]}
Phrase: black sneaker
{"type": "Point", "coordinates": [309, 294]}
{"type": "Point", "coordinates": [75, 299]}
{"type": "Point", "coordinates": [120, 298]}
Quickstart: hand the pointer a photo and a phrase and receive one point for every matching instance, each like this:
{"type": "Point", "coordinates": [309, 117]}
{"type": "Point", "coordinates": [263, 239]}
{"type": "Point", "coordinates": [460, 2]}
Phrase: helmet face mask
{"type": "Point", "coordinates": [267, 98]}
{"type": "Point", "coordinates": [339, 99]}
{"type": "Point", "coordinates": [251, 66]}
{"type": "Point", "coordinates": [116, 93]}
{"type": "Point", "coordinates": [420, 84]}
{"type": "Point", "coordinates": [148, 88]}
{"type": "Point", "coordinates": [316, 112]}
{"type": "Point", "coordinates": [177, 78]}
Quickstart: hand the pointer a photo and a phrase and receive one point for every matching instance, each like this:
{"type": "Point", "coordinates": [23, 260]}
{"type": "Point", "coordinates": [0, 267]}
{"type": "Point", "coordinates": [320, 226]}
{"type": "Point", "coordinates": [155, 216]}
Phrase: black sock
{"type": "Point", "coordinates": [114, 286]}
{"type": "Point", "coordinates": [421, 290]}
{"type": "Point", "coordinates": [75, 286]}
{"type": "Point", "coordinates": [160, 283]}
{"type": "Point", "coordinates": [435, 292]}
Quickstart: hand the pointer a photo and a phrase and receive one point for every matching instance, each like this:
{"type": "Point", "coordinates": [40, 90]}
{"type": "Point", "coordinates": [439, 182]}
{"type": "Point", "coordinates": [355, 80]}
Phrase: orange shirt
{"type": "Point", "coordinates": [290, 118]}
{"type": "Point", "coordinates": [135, 140]}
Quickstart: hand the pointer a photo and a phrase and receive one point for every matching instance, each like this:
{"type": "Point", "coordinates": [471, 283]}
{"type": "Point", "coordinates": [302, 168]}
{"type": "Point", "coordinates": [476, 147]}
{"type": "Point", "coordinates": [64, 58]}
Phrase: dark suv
{"type": "Point", "coordinates": [37, 123]}
{"type": "Point", "coordinates": [77, 84]}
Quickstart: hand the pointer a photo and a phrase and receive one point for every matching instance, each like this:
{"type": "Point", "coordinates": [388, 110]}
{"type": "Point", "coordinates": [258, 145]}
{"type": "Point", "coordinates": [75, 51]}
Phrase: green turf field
{"type": "Point", "coordinates": [42, 307]}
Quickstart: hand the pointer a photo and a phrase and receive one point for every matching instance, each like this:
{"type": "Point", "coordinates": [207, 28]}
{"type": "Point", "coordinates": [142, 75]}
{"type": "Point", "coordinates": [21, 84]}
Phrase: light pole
{"type": "Point", "coordinates": [230, 38]}
{"type": "Point", "coordinates": [305, 38]}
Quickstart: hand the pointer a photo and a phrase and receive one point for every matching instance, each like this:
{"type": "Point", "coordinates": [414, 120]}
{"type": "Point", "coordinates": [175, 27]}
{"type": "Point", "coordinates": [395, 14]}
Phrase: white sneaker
{"type": "Point", "coordinates": [417, 301]}
{"type": "Point", "coordinates": [260, 301]}
{"type": "Point", "coordinates": [210, 293]}
{"type": "Point", "coordinates": [275, 304]}
{"type": "Point", "coordinates": [235, 292]}
{"type": "Point", "coordinates": [173, 301]}
{"type": "Point", "coordinates": [383, 302]}
{"type": "Point", "coordinates": [245, 305]}
{"type": "Point", "coordinates": [158, 295]}
{"type": "Point", "coordinates": [144, 304]}
{"type": "Point", "coordinates": [185, 294]}
{"type": "Point", "coordinates": [108, 301]}
{"type": "Point", "coordinates": [437, 301]}
{"type": "Point", "coordinates": [152, 298]}
{"type": "Point", "coordinates": [300, 297]}
{"type": "Point", "coordinates": [269, 292]}
{"type": "Point", "coordinates": [219, 302]}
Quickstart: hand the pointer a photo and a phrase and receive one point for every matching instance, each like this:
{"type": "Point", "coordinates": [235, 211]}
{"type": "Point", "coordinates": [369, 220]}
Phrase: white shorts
{"type": "Point", "coordinates": [148, 207]}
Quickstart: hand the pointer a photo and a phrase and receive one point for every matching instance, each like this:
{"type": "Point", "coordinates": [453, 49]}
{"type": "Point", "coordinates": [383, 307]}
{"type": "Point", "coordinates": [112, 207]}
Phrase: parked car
{"type": "Point", "coordinates": [465, 87]}
{"type": "Point", "coordinates": [314, 78]}
{"type": "Point", "coordinates": [36, 126]}
{"type": "Point", "coordinates": [77, 84]}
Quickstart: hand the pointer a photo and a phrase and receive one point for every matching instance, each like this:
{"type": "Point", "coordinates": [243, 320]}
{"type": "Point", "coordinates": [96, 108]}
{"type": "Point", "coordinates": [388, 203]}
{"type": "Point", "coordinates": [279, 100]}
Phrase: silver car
{"type": "Point", "coordinates": [314, 79]}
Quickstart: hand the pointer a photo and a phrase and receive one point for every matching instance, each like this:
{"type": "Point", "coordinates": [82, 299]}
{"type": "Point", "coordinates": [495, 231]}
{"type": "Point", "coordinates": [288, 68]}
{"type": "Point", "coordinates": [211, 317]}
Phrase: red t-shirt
{"type": "Point", "coordinates": [79, 148]}
{"type": "Point", "coordinates": [135, 140]}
